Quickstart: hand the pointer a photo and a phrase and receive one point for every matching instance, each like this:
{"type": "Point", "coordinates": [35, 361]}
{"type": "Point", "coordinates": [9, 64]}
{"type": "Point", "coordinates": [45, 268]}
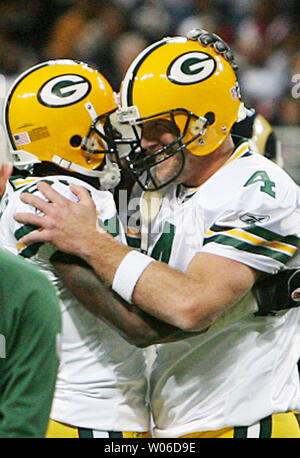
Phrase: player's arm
{"type": "Point", "coordinates": [133, 324]}
{"type": "Point", "coordinates": [189, 300]}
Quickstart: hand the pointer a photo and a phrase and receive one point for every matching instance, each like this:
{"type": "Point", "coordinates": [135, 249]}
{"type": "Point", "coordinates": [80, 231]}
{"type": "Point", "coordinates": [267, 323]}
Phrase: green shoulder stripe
{"type": "Point", "coordinates": [272, 236]}
{"type": "Point", "coordinates": [24, 230]}
{"type": "Point", "coordinates": [32, 188]}
{"type": "Point", "coordinates": [264, 233]}
{"type": "Point", "coordinates": [244, 246]}
{"type": "Point", "coordinates": [32, 249]}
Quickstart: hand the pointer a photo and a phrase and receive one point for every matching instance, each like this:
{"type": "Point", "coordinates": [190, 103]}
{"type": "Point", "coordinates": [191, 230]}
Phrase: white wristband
{"type": "Point", "coordinates": [128, 273]}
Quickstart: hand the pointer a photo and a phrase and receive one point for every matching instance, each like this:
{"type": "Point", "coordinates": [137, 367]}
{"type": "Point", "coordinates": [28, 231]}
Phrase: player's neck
{"type": "Point", "coordinates": [203, 167]}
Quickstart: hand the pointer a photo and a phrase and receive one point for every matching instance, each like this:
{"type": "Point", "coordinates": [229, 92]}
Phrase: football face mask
{"type": "Point", "coordinates": [192, 83]}
{"type": "Point", "coordinates": [146, 164]}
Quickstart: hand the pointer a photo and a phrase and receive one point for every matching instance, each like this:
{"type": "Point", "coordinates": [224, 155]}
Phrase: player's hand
{"type": "Point", "coordinates": [5, 173]}
{"type": "Point", "coordinates": [66, 224]}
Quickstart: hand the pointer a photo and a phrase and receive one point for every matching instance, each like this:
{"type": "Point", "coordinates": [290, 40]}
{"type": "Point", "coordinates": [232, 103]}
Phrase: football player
{"type": "Point", "coordinates": [262, 139]}
{"type": "Point", "coordinates": [216, 218]}
{"type": "Point", "coordinates": [57, 120]}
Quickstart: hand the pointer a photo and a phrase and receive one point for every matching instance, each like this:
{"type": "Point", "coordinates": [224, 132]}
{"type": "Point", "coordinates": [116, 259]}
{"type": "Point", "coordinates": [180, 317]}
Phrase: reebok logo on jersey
{"type": "Point", "coordinates": [250, 218]}
{"type": "Point", "coordinates": [191, 68]}
{"type": "Point", "coordinates": [64, 90]}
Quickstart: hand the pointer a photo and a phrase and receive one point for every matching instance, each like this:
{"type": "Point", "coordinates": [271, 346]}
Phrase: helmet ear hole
{"type": "Point", "coordinates": [210, 116]}
{"type": "Point", "coordinates": [75, 141]}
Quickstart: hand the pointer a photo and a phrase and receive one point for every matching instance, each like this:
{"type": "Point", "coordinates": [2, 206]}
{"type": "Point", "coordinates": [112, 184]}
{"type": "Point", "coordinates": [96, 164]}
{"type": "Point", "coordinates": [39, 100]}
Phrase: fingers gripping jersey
{"type": "Point", "coordinates": [244, 367]}
{"type": "Point", "coordinates": [101, 382]}
{"type": "Point", "coordinates": [40, 253]}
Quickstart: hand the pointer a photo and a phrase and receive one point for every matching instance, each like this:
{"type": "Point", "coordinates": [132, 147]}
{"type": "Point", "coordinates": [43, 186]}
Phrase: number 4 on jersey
{"type": "Point", "coordinates": [262, 176]}
{"type": "Point", "coordinates": [163, 247]}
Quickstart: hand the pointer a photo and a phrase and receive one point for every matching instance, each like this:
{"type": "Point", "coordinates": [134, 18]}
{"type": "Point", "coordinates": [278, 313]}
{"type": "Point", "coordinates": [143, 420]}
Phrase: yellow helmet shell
{"type": "Point", "coordinates": [50, 108]}
{"type": "Point", "coordinates": [179, 73]}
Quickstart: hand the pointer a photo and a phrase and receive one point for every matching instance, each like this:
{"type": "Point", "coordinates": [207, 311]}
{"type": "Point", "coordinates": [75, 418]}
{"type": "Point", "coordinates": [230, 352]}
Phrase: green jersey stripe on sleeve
{"type": "Point", "coordinates": [244, 246]}
{"type": "Point", "coordinates": [272, 236]}
{"type": "Point", "coordinates": [24, 230]}
{"type": "Point", "coordinates": [264, 233]}
{"type": "Point", "coordinates": [31, 250]}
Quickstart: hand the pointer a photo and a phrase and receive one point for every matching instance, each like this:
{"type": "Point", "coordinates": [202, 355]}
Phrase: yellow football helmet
{"type": "Point", "coordinates": [191, 81]}
{"type": "Point", "coordinates": [58, 111]}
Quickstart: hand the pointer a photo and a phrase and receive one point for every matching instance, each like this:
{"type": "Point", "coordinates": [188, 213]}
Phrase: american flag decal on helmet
{"type": "Point", "coordinates": [22, 139]}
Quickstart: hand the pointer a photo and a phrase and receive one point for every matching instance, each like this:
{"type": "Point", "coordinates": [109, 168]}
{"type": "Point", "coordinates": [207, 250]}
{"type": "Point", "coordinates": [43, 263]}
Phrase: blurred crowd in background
{"type": "Point", "coordinates": [265, 37]}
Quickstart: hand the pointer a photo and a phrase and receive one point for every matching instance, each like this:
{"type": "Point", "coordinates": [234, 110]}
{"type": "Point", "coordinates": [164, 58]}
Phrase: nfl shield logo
{"type": "Point", "coordinates": [22, 138]}
{"type": "Point", "coordinates": [234, 93]}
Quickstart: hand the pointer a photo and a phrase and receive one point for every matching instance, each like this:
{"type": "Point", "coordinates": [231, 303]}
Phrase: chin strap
{"type": "Point", "coordinates": [109, 177]}
{"type": "Point", "coordinates": [22, 159]}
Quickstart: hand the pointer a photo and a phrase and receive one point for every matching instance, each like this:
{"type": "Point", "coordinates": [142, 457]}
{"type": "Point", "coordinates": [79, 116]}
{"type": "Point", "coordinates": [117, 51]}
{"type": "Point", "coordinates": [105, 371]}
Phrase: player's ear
{"type": "Point", "coordinates": [5, 173]}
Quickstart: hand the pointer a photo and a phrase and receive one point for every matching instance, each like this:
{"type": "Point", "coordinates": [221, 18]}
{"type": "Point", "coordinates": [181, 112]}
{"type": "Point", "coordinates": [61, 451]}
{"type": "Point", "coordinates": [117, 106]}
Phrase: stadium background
{"type": "Point", "coordinates": [109, 33]}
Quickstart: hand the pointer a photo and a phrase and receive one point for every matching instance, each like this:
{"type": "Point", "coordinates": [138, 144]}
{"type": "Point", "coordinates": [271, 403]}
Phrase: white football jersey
{"type": "Point", "coordinates": [244, 367]}
{"type": "Point", "coordinates": [4, 199]}
{"type": "Point", "coordinates": [101, 381]}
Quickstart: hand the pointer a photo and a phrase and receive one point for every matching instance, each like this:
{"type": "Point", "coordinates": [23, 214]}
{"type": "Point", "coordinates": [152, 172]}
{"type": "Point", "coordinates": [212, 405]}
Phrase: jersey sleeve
{"type": "Point", "coordinates": [257, 230]}
{"type": "Point", "coordinates": [4, 199]}
{"type": "Point", "coordinates": [12, 231]}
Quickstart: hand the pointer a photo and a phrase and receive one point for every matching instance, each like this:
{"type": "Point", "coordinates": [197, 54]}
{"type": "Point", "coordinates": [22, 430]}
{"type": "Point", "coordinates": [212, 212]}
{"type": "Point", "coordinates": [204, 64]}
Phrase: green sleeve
{"type": "Point", "coordinates": [31, 324]}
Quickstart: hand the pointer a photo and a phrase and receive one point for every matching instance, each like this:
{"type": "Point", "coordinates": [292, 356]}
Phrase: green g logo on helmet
{"type": "Point", "coordinates": [64, 90]}
{"type": "Point", "coordinates": [191, 68]}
